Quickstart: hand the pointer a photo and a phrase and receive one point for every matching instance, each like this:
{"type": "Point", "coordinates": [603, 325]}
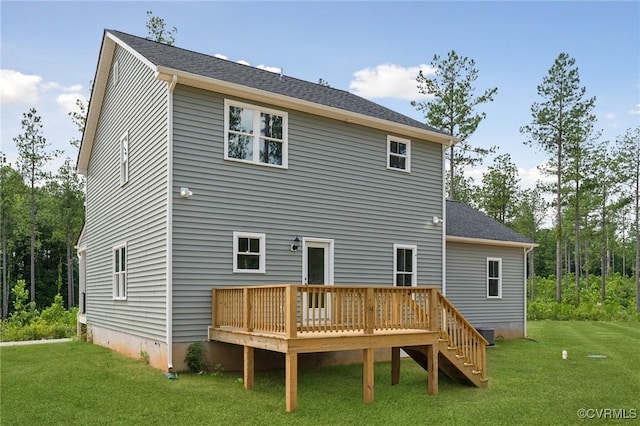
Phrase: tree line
{"type": "Point", "coordinates": [595, 193]}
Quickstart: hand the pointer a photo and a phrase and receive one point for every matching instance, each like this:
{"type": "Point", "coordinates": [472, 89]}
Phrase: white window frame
{"type": "Point", "coordinates": [123, 143]}
{"type": "Point", "coordinates": [262, 254]}
{"type": "Point", "coordinates": [120, 276]}
{"type": "Point", "coordinates": [407, 157]}
{"type": "Point", "coordinates": [256, 133]}
{"type": "Point", "coordinates": [116, 73]}
{"type": "Point", "coordinates": [499, 260]}
{"type": "Point", "coordinates": [414, 273]}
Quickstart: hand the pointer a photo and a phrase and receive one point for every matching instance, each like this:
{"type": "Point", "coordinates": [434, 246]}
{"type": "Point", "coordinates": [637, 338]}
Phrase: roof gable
{"type": "Point", "coordinates": [187, 67]}
{"type": "Point", "coordinates": [466, 223]}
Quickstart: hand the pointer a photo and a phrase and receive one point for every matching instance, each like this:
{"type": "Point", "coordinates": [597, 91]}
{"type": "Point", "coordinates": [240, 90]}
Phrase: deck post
{"type": "Point", "coordinates": [249, 367]}
{"type": "Point", "coordinates": [434, 323]}
{"type": "Point", "coordinates": [432, 368]}
{"type": "Point", "coordinates": [214, 309]}
{"type": "Point", "coordinates": [247, 309]}
{"type": "Point", "coordinates": [291, 318]}
{"type": "Point", "coordinates": [369, 311]}
{"type": "Point", "coordinates": [291, 380]}
{"type": "Point", "coordinates": [367, 376]}
{"type": "Point", "coordinates": [395, 366]}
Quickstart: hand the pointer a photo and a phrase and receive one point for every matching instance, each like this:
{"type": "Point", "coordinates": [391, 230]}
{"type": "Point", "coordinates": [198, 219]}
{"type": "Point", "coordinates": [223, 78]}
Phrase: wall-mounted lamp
{"type": "Point", "coordinates": [436, 220]}
{"type": "Point", "coordinates": [185, 192]}
{"type": "Point", "coordinates": [296, 244]}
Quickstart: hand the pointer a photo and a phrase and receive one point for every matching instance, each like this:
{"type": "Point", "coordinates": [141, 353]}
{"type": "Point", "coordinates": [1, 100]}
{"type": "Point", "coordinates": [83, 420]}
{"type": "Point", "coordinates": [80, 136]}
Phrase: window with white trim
{"type": "Point", "coordinates": [494, 277]}
{"type": "Point", "coordinates": [405, 265]}
{"type": "Point", "coordinates": [116, 73]}
{"type": "Point", "coordinates": [249, 254]}
{"type": "Point", "coordinates": [124, 158]}
{"type": "Point", "coordinates": [120, 272]}
{"type": "Point", "coordinates": [398, 154]}
{"type": "Point", "coordinates": [255, 135]}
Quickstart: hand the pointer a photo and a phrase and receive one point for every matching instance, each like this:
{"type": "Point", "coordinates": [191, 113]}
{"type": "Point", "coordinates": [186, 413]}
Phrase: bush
{"type": "Point", "coordinates": [26, 323]}
{"type": "Point", "coordinates": [195, 358]}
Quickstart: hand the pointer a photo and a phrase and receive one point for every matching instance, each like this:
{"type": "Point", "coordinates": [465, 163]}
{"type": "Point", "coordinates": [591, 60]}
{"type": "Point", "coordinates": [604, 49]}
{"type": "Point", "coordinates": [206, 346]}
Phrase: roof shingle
{"type": "Point", "coordinates": [465, 221]}
{"type": "Point", "coordinates": [245, 75]}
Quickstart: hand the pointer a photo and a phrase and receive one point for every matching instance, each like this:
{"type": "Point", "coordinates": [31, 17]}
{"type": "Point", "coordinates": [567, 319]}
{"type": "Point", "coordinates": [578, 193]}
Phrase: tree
{"type": "Point", "coordinates": [499, 189]}
{"type": "Point", "coordinates": [628, 160]}
{"type": "Point", "coordinates": [70, 200]}
{"type": "Point", "coordinates": [452, 109]}
{"type": "Point", "coordinates": [559, 118]}
{"type": "Point", "coordinates": [12, 215]}
{"type": "Point", "coordinates": [32, 158]}
{"type": "Point", "coordinates": [323, 82]}
{"type": "Point", "coordinates": [157, 30]}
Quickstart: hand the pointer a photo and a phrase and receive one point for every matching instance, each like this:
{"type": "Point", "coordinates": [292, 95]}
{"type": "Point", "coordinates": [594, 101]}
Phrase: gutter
{"type": "Point", "coordinates": [527, 250]}
{"type": "Point", "coordinates": [169, 297]}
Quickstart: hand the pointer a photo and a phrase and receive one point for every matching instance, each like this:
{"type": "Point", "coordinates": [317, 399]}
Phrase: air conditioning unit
{"type": "Point", "coordinates": [488, 334]}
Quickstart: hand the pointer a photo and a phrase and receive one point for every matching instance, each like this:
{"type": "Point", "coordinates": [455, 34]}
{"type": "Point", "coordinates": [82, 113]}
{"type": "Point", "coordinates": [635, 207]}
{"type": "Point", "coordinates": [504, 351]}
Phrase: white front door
{"type": "Point", "coordinates": [317, 269]}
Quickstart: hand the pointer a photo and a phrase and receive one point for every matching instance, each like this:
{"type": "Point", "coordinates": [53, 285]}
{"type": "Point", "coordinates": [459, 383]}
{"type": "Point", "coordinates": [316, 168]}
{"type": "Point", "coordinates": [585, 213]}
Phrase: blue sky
{"type": "Point", "coordinates": [49, 52]}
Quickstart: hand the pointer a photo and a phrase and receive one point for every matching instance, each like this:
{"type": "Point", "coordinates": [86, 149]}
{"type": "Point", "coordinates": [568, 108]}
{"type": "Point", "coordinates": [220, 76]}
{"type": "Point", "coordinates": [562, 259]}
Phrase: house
{"type": "Point", "coordinates": [486, 270]}
{"type": "Point", "coordinates": [204, 173]}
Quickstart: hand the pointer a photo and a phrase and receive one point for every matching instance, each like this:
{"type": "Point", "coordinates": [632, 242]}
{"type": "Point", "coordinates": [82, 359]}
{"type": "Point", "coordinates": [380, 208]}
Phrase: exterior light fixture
{"type": "Point", "coordinates": [185, 192]}
{"type": "Point", "coordinates": [436, 220]}
{"type": "Point", "coordinates": [296, 244]}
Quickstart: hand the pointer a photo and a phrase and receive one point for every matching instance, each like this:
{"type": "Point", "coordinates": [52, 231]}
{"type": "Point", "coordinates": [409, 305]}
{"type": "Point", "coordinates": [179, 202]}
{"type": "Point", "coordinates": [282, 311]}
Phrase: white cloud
{"type": "Point", "coordinates": [243, 62]}
{"type": "Point", "coordinates": [68, 101]}
{"type": "Point", "coordinates": [18, 88]}
{"type": "Point", "coordinates": [268, 68]}
{"type": "Point", "coordinates": [389, 81]}
{"type": "Point", "coordinates": [610, 116]}
{"type": "Point", "coordinates": [636, 110]}
{"type": "Point", "coordinates": [220, 56]}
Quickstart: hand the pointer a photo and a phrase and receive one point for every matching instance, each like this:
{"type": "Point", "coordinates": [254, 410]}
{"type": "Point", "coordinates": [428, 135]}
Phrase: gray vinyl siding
{"type": "Point", "coordinates": [337, 186]}
{"type": "Point", "coordinates": [467, 283]}
{"type": "Point", "coordinates": [135, 213]}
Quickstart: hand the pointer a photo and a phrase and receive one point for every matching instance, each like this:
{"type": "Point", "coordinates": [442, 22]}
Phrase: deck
{"type": "Point", "coordinates": [294, 319]}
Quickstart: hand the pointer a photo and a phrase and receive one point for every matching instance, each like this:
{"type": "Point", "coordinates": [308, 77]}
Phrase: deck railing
{"type": "Point", "coordinates": [468, 343]}
{"type": "Point", "coordinates": [292, 309]}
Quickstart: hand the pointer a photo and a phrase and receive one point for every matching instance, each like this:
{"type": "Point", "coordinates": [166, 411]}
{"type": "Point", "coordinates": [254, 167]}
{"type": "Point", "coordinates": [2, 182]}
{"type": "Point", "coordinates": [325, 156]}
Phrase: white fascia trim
{"type": "Point", "coordinates": [524, 273]}
{"type": "Point", "coordinates": [486, 242]}
{"type": "Point", "coordinates": [169, 230]}
{"type": "Point", "coordinates": [275, 99]}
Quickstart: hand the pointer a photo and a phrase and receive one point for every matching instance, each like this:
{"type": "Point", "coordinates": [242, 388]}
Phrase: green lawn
{"type": "Point", "coordinates": [80, 383]}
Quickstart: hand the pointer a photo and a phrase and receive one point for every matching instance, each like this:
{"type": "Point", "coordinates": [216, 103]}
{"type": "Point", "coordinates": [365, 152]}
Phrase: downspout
{"type": "Point", "coordinates": [526, 252]}
{"type": "Point", "coordinates": [169, 297]}
{"type": "Point", "coordinates": [444, 219]}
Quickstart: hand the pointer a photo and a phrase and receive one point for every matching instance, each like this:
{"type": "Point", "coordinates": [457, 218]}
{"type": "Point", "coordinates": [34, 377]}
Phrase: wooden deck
{"type": "Point", "coordinates": [293, 319]}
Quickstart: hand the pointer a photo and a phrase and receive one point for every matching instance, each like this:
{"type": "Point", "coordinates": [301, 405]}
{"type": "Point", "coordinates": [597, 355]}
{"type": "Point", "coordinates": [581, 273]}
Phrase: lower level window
{"type": "Point", "coordinates": [494, 277]}
{"type": "Point", "coordinates": [249, 252]}
{"type": "Point", "coordinates": [405, 265]}
{"type": "Point", "coordinates": [120, 272]}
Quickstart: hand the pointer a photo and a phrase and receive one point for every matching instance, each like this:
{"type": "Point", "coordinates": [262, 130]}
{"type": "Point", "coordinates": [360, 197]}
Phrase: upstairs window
{"type": "Point", "coordinates": [494, 277]}
{"type": "Point", "coordinates": [120, 272]}
{"type": "Point", "coordinates": [398, 154]}
{"type": "Point", "coordinates": [255, 135]}
{"type": "Point", "coordinates": [124, 159]}
{"type": "Point", "coordinates": [249, 252]}
{"type": "Point", "coordinates": [405, 265]}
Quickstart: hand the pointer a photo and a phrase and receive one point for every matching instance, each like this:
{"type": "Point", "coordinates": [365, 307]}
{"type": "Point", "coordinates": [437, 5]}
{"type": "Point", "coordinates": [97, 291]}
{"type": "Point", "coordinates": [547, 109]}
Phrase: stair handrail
{"type": "Point", "coordinates": [469, 344]}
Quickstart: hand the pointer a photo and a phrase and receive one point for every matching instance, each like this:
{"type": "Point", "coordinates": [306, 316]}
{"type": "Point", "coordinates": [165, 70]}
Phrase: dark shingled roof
{"type": "Point", "coordinates": [465, 221]}
{"type": "Point", "coordinates": [245, 75]}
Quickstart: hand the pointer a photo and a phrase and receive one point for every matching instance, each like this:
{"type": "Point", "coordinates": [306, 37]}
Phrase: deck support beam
{"type": "Point", "coordinates": [368, 370]}
{"type": "Point", "coordinates": [432, 368]}
{"type": "Point", "coordinates": [291, 380]}
{"type": "Point", "coordinates": [249, 367]}
{"type": "Point", "coordinates": [395, 366]}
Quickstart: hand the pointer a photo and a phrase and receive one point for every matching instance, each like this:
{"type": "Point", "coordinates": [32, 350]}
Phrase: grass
{"type": "Point", "coordinates": [80, 383]}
